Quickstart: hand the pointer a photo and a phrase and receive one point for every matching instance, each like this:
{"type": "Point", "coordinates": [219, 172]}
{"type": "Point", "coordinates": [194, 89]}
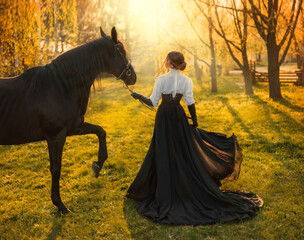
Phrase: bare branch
{"type": "Point", "coordinates": [265, 6]}
{"type": "Point", "coordinates": [237, 21]}
{"type": "Point", "coordinates": [245, 19]}
{"type": "Point", "coordinates": [289, 24]}
{"type": "Point", "coordinates": [190, 22]}
{"type": "Point", "coordinates": [221, 6]}
{"type": "Point", "coordinates": [221, 32]}
{"type": "Point", "coordinates": [193, 54]}
{"type": "Point", "coordinates": [259, 25]}
{"type": "Point", "coordinates": [214, 28]}
{"type": "Point", "coordinates": [257, 12]}
{"type": "Point", "coordinates": [186, 49]}
{"type": "Point", "coordinates": [227, 41]}
{"type": "Point", "coordinates": [279, 10]}
{"type": "Point", "coordinates": [292, 33]}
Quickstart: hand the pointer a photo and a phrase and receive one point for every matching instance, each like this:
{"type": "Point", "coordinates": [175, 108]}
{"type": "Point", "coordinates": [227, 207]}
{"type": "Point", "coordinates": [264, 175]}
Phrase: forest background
{"type": "Point", "coordinates": [220, 40]}
{"type": "Point", "coordinates": [217, 36]}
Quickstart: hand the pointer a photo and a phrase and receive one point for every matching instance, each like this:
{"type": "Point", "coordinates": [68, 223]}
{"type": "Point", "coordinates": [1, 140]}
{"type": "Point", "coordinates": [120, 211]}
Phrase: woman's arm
{"type": "Point", "coordinates": [192, 112]}
{"type": "Point", "coordinates": [154, 98]}
{"type": "Point", "coordinates": [156, 94]}
{"type": "Point", "coordinates": [142, 98]}
{"type": "Point", "coordinates": [190, 101]}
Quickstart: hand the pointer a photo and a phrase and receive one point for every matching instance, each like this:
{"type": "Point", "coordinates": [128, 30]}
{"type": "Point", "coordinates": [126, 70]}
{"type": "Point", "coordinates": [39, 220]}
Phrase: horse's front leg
{"type": "Point", "coordinates": [55, 145]}
{"type": "Point", "coordinates": [88, 128]}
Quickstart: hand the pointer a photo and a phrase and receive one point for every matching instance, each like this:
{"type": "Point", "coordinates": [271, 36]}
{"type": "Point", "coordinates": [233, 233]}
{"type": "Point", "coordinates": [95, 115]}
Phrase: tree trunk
{"type": "Point", "coordinates": [248, 82]}
{"type": "Point", "coordinates": [246, 72]}
{"type": "Point", "coordinates": [274, 71]}
{"type": "Point", "coordinates": [213, 72]}
{"type": "Point", "coordinates": [16, 55]}
{"type": "Point", "coordinates": [1, 61]}
{"type": "Point", "coordinates": [198, 72]}
{"type": "Point", "coordinates": [213, 61]}
{"type": "Point", "coordinates": [56, 28]}
{"type": "Point", "coordinates": [298, 56]}
{"type": "Point", "coordinates": [299, 61]}
{"type": "Point", "coordinates": [39, 34]}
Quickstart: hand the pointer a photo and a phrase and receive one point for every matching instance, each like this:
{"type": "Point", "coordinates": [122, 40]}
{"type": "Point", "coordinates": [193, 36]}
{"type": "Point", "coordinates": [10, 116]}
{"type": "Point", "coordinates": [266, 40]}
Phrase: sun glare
{"type": "Point", "coordinates": [157, 16]}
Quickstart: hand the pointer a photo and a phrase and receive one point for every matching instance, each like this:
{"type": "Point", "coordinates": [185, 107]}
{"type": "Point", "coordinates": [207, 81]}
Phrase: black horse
{"type": "Point", "coordinates": [49, 102]}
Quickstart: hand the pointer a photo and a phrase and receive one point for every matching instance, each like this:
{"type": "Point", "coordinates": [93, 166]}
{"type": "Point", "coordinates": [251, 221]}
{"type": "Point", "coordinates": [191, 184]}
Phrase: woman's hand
{"type": "Point", "coordinates": [142, 98]}
{"type": "Point", "coordinates": [195, 124]}
{"type": "Point", "coordinates": [135, 95]}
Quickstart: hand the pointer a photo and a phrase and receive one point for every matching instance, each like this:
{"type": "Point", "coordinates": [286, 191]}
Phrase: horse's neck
{"type": "Point", "coordinates": [82, 65]}
{"type": "Point", "coordinates": [78, 69]}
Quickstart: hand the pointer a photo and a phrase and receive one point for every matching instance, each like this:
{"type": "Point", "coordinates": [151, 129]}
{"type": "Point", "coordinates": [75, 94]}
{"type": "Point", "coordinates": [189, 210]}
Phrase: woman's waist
{"type": "Point", "coordinates": [169, 99]}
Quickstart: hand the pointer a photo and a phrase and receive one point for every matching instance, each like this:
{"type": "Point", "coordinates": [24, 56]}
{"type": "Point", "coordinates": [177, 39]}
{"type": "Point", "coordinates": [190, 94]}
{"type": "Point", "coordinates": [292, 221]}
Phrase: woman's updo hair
{"type": "Point", "coordinates": [177, 60]}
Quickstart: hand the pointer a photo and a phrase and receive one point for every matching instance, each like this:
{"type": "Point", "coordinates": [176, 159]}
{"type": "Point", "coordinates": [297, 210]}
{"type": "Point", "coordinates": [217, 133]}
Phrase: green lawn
{"type": "Point", "coordinates": [269, 132]}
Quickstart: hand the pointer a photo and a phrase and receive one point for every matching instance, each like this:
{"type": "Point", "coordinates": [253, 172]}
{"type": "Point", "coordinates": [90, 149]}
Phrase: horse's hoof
{"type": "Point", "coordinates": [96, 169]}
{"type": "Point", "coordinates": [64, 210]}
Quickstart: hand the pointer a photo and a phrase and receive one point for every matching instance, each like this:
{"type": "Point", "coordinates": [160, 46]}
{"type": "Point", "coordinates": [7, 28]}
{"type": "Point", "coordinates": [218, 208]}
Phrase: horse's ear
{"type": "Point", "coordinates": [102, 33]}
{"type": "Point", "coordinates": [114, 34]}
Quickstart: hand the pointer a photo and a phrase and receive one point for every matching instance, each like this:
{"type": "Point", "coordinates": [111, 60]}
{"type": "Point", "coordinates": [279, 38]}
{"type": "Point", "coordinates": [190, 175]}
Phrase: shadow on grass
{"type": "Point", "coordinates": [236, 116]}
{"type": "Point", "coordinates": [226, 85]}
{"type": "Point", "coordinates": [291, 106]}
{"type": "Point", "coordinates": [56, 228]}
{"type": "Point", "coordinates": [286, 116]}
{"type": "Point", "coordinates": [269, 146]}
{"type": "Point", "coordinates": [283, 101]}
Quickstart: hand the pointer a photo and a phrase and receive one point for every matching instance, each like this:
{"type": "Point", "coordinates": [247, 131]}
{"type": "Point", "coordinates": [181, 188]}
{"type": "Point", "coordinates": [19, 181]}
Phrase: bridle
{"type": "Point", "coordinates": [127, 70]}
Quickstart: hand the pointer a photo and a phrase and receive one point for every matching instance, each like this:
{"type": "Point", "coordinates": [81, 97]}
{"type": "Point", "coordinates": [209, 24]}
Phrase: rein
{"type": "Point", "coordinates": [147, 106]}
{"type": "Point", "coordinates": [125, 86]}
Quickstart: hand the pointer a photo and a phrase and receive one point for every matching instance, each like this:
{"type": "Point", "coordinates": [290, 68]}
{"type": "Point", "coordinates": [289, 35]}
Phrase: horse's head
{"type": "Point", "coordinates": [121, 67]}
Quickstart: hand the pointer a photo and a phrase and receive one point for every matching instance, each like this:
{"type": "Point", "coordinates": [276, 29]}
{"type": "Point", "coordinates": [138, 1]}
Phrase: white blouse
{"type": "Point", "coordinates": [172, 82]}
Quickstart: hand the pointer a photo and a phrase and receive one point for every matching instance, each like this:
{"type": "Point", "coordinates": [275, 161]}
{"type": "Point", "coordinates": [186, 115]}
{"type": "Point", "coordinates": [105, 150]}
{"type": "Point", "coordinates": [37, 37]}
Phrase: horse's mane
{"type": "Point", "coordinates": [75, 66]}
{"type": "Point", "coordinates": [84, 59]}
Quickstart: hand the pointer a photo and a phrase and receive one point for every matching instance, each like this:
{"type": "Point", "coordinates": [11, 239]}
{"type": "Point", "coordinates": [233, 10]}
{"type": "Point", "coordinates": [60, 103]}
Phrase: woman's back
{"type": "Point", "coordinates": [172, 83]}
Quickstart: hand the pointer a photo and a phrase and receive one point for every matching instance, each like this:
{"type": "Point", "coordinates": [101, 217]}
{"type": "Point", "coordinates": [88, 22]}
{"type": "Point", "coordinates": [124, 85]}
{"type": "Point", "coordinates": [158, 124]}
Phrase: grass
{"type": "Point", "coordinates": [270, 134]}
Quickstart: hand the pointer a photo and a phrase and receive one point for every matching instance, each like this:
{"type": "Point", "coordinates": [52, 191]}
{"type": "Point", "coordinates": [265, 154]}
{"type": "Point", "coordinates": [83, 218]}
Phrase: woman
{"type": "Point", "coordinates": [179, 180]}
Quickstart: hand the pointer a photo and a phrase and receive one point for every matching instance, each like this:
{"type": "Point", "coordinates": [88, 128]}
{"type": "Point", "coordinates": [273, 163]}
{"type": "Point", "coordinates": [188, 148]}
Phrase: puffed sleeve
{"type": "Point", "coordinates": [189, 93]}
{"type": "Point", "coordinates": [156, 94]}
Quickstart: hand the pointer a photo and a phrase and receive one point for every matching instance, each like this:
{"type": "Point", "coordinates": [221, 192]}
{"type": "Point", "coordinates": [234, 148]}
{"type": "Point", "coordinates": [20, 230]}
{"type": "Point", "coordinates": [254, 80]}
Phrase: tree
{"type": "Point", "coordinates": [237, 43]}
{"type": "Point", "coordinates": [67, 21]}
{"type": "Point", "coordinates": [60, 21]}
{"type": "Point", "coordinates": [27, 32]}
{"type": "Point", "coordinates": [266, 16]}
{"type": "Point", "coordinates": [18, 35]}
{"type": "Point", "coordinates": [210, 45]}
{"type": "Point", "coordinates": [298, 46]}
{"type": "Point", "coordinates": [91, 15]}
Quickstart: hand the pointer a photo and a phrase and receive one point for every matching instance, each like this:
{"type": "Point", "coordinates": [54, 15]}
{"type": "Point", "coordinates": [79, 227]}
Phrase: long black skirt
{"type": "Point", "coordinates": [179, 180]}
